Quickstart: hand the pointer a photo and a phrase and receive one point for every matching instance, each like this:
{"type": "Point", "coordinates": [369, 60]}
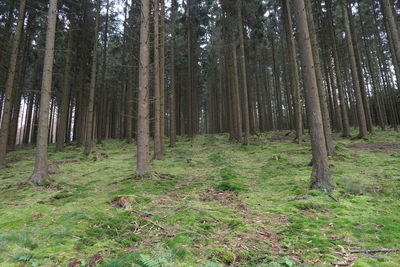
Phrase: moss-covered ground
{"type": "Point", "coordinates": [208, 203]}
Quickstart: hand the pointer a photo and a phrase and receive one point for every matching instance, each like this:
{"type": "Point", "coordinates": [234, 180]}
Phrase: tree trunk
{"type": "Point", "coordinates": [143, 163]}
{"type": "Point", "coordinates": [162, 75]}
{"type": "Point", "coordinates": [243, 70]}
{"type": "Point", "coordinates": [339, 78]}
{"type": "Point", "coordinates": [363, 88]}
{"type": "Point", "coordinates": [355, 77]}
{"type": "Point", "coordinates": [89, 119]}
{"type": "Point", "coordinates": [157, 79]}
{"type": "Point", "coordinates": [40, 173]}
{"type": "Point", "coordinates": [320, 84]}
{"type": "Point", "coordinates": [63, 111]}
{"type": "Point", "coordinates": [172, 136]}
{"type": "Point", "coordinates": [320, 177]}
{"type": "Point", "coordinates": [5, 122]}
{"type": "Point", "coordinates": [393, 30]}
{"type": "Point", "coordinates": [293, 70]}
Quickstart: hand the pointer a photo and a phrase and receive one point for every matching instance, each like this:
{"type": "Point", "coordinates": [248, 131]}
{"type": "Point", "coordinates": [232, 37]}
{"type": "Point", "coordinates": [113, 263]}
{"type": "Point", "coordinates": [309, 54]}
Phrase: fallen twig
{"type": "Point", "coordinates": [382, 250]}
{"type": "Point", "coordinates": [334, 198]}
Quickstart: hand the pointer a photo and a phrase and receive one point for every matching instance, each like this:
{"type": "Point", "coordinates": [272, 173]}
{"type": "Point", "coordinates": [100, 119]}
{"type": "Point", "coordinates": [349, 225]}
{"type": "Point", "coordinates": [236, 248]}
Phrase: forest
{"type": "Point", "coordinates": [202, 133]}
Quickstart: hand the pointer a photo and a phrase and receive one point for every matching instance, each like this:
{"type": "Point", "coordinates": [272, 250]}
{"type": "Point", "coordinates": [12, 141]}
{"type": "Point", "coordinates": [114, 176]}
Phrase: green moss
{"type": "Point", "coordinates": [228, 203]}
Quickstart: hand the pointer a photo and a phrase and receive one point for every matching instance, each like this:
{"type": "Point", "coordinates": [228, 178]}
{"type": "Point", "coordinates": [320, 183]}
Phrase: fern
{"type": "Point", "coordinates": [148, 261]}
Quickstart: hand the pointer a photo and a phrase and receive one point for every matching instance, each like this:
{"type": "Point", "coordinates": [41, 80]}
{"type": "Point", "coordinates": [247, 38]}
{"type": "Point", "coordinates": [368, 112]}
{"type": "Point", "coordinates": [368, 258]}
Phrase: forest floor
{"type": "Point", "coordinates": [208, 203]}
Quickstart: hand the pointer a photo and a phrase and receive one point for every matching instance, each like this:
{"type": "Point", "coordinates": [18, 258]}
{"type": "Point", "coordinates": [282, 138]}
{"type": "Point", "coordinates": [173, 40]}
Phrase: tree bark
{"type": "Point", "coordinates": [293, 71]}
{"type": "Point", "coordinates": [173, 113]}
{"type": "Point", "coordinates": [243, 70]}
{"type": "Point", "coordinates": [143, 163]}
{"type": "Point", "coordinates": [320, 85]}
{"type": "Point", "coordinates": [63, 111]}
{"type": "Point", "coordinates": [40, 173]}
{"type": "Point", "coordinates": [89, 119]}
{"type": "Point", "coordinates": [393, 30]}
{"type": "Point", "coordinates": [339, 78]}
{"type": "Point", "coordinates": [354, 73]}
{"type": "Point", "coordinates": [157, 78]}
{"type": "Point", "coordinates": [162, 75]}
{"type": "Point", "coordinates": [5, 122]}
{"type": "Point", "coordinates": [320, 177]}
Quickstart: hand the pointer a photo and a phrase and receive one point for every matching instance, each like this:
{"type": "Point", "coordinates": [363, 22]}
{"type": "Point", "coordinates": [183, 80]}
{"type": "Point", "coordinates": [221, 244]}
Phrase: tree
{"type": "Point", "coordinates": [294, 76]}
{"type": "Point", "coordinates": [339, 79]}
{"type": "Point", "coordinates": [40, 173]}
{"type": "Point", "coordinates": [393, 31]}
{"type": "Point", "coordinates": [157, 81]}
{"type": "Point", "coordinates": [63, 112]}
{"type": "Point", "coordinates": [142, 155]}
{"type": "Point", "coordinates": [318, 73]}
{"type": "Point", "coordinates": [354, 73]}
{"type": "Point", "coordinates": [89, 118]}
{"type": "Point", "coordinates": [243, 71]}
{"type": "Point", "coordinates": [173, 96]}
{"type": "Point", "coordinates": [162, 76]}
{"type": "Point", "coordinates": [320, 177]}
{"type": "Point", "coordinates": [5, 122]}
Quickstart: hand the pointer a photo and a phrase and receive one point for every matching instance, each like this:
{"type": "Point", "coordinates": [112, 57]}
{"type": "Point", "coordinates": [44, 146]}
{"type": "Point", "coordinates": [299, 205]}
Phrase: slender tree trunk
{"type": "Point", "coordinates": [339, 78]}
{"type": "Point", "coordinates": [28, 120]}
{"type": "Point", "coordinates": [5, 122]}
{"type": "Point", "coordinates": [355, 77]}
{"type": "Point", "coordinates": [363, 88]}
{"type": "Point", "coordinates": [157, 89]}
{"type": "Point", "coordinates": [143, 163]}
{"type": "Point", "coordinates": [173, 113]}
{"type": "Point", "coordinates": [393, 30]}
{"type": "Point", "coordinates": [243, 70]}
{"type": "Point", "coordinates": [89, 119]}
{"type": "Point", "coordinates": [40, 173]}
{"type": "Point", "coordinates": [63, 111]}
{"type": "Point", "coordinates": [103, 112]}
{"type": "Point", "coordinates": [162, 75]}
{"type": "Point", "coordinates": [318, 72]}
{"type": "Point", "coordinates": [294, 76]}
{"type": "Point", "coordinates": [4, 47]}
{"type": "Point", "coordinates": [190, 76]}
{"type": "Point", "coordinates": [320, 177]}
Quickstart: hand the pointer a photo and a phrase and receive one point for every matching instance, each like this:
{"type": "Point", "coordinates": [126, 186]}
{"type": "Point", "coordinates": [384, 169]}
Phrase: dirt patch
{"type": "Point", "coordinates": [384, 147]}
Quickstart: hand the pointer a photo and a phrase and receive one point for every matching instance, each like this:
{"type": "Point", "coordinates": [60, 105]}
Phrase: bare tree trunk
{"type": "Point", "coordinates": [157, 79]}
{"type": "Point", "coordinates": [162, 76]}
{"type": "Point", "coordinates": [320, 177]}
{"type": "Point", "coordinates": [294, 76]}
{"type": "Point", "coordinates": [393, 31]}
{"type": "Point", "coordinates": [89, 124]}
{"type": "Point", "coordinates": [63, 111]}
{"type": "Point", "coordinates": [363, 88]}
{"type": "Point", "coordinates": [339, 78]}
{"type": "Point", "coordinates": [4, 47]}
{"type": "Point", "coordinates": [318, 72]}
{"type": "Point", "coordinates": [190, 79]}
{"type": "Point", "coordinates": [243, 69]}
{"type": "Point", "coordinates": [5, 122]}
{"type": "Point", "coordinates": [40, 173]}
{"type": "Point", "coordinates": [143, 163]}
{"type": "Point", "coordinates": [355, 77]}
{"type": "Point", "coordinates": [172, 136]}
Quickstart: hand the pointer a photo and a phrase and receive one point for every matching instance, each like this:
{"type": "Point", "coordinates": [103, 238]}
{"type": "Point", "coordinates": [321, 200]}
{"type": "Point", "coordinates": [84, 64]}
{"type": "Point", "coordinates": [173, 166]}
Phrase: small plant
{"type": "Point", "coordinates": [229, 186]}
{"type": "Point", "coordinates": [228, 174]}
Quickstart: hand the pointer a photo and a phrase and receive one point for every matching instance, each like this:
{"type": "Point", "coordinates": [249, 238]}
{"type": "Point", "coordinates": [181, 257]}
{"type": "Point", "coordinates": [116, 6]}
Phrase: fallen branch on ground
{"type": "Point", "coordinates": [382, 250]}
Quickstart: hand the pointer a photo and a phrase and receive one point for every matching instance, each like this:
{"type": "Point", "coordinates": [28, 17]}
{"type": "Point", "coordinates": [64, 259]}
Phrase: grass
{"type": "Point", "coordinates": [209, 203]}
